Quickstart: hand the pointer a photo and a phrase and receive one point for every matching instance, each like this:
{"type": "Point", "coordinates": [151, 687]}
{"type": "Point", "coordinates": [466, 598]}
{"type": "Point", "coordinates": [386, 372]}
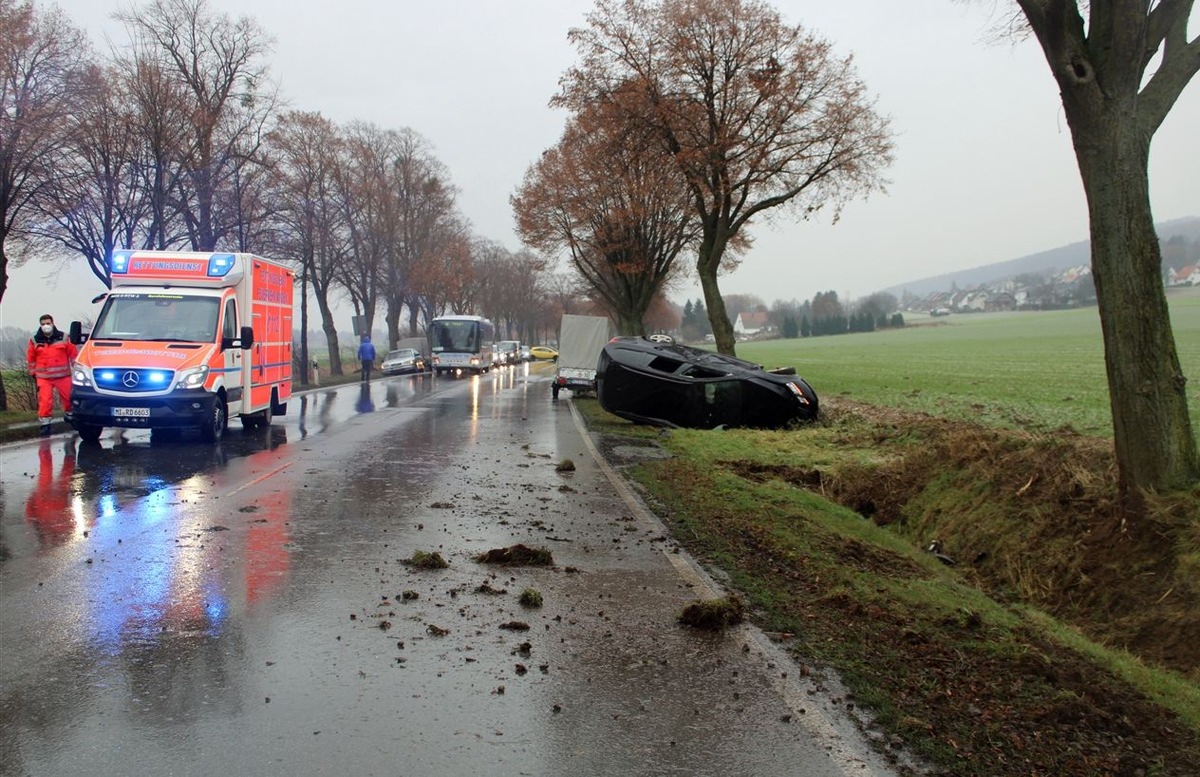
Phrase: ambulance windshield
{"type": "Point", "coordinates": [158, 316]}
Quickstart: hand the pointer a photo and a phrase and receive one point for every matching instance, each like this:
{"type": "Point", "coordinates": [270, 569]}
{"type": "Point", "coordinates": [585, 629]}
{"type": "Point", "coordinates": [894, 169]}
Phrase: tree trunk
{"type": "Point", "coordinates": [331, 336]}
{"type": "Point", "coordinates": [3, 263]}
{"type": "Point", "coordinates": [414, 310]}
{"type": "Point", "coordinates": [708, 262]}
{"type": "Point", "coordinates": [305, 361]}
{"type": "Point", "coordinates": [1155, 447]}
{"type": "Point", "coordinates": [630, 325]}
{"type": "Point", "coordinates": [392, 318]}
{"type": "Point", "coordinates": [722, 329]}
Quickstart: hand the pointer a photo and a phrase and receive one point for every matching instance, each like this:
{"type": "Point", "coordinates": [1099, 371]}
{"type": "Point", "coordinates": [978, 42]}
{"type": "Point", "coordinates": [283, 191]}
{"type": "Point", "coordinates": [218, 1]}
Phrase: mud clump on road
{"type": "Point", "coordinates": [517, 556]}
{"type": "Point", "coordinates": [713, 614]}
{"type": "Point", "coordinates": [515, 626]}
{"type": "Point", "coordinates": [424, 560]}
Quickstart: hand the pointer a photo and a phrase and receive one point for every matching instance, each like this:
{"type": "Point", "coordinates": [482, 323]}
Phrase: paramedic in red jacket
{"type": "Point", "coordinates": [49, 356]}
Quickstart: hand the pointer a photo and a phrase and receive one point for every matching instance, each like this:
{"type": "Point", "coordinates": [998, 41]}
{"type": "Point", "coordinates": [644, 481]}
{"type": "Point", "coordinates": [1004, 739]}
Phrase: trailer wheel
{"type": "Point", "coordinates": [89, 432]}
{"type": "Point", "coordinates": [213, 427]}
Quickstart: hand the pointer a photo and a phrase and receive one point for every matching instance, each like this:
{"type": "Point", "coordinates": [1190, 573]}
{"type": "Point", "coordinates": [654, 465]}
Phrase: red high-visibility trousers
{"type": "Point", "coordinates": [46, 389]}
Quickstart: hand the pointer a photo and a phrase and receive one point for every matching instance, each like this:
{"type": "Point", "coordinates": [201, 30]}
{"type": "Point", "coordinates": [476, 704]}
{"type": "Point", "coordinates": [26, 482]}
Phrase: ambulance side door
{"type": "Point", "coordinates": [235, 379]}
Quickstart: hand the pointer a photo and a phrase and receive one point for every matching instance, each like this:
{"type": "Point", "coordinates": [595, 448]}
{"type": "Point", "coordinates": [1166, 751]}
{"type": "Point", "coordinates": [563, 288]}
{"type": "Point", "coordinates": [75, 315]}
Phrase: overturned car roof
{"type": "Point", "coordinates": [667, 384]}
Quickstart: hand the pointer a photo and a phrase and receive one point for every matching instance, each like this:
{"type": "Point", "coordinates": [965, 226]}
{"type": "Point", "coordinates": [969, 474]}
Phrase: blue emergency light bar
{"type": "Point", "coordinates": [119, 263]}
{"type": "Point", "coordinates": [219, 265]}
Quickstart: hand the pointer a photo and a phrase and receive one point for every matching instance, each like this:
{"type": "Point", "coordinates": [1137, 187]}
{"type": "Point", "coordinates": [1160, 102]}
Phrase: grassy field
{"type": "Point", "coordinates": [1031, 370]}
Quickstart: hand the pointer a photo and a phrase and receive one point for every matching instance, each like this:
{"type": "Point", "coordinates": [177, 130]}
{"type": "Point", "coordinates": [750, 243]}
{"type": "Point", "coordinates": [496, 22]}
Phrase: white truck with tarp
{"type": "Point", "coordinates": [580, 342]}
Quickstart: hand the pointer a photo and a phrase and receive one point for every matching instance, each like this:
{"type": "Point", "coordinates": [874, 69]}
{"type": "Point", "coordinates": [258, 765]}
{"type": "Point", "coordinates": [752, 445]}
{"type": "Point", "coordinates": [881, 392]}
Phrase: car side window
{"type": "Point", "coordinates": [696, 371]}
{"type": "Point", "coordinates": [230, 327]}
{"type": "Point", "coordinates": [665, 364]}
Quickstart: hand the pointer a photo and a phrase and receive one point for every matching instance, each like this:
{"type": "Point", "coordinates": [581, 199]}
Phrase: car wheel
{"type": "Point", "coordinates": [213, 427]}
{"type": "Point", "coordinates": [660, 338]}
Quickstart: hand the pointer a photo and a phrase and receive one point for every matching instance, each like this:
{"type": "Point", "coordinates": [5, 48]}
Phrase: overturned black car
{"type": "Point", "coordinates": [665, 384]}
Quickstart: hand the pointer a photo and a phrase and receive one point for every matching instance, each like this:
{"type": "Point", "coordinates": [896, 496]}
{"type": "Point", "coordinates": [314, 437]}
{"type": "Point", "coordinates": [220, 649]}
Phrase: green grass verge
{"type": "Point", "coordinates": [1030, 370]}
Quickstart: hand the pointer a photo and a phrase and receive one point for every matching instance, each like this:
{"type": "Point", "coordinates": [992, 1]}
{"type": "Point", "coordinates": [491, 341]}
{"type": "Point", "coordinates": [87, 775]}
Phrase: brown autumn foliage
{"type": "Point", "coordinates": [753, 113]}
{"type": "Point", "coordinates": [604, 196]}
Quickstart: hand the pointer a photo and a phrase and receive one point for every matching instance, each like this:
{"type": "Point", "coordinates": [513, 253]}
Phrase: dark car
{"type": "Point", "coordinates": [666, 384]}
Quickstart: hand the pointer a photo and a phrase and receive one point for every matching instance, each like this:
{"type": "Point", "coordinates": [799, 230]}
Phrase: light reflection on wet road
{"type": "Point", "coordinates": [170, 607]}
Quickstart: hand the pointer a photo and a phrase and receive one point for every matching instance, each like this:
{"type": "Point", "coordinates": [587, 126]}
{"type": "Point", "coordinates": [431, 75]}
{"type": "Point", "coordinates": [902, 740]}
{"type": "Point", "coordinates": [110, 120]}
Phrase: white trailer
{"type": "Point", "coordinates": [580, 341]}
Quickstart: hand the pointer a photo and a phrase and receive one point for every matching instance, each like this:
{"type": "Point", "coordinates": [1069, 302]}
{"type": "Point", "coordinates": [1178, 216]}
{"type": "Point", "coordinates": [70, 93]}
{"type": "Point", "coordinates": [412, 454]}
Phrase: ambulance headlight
{"type": "Point", "coordinates": [80, 377]}
{"type": "Point", "coordinates": [193, 378]}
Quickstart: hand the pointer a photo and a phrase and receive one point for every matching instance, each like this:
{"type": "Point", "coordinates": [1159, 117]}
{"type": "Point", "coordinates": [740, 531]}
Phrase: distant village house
{"type": "Point", "coordinates": [1184, 276]}
{"type": "Point", "coordinates": [750, 324]}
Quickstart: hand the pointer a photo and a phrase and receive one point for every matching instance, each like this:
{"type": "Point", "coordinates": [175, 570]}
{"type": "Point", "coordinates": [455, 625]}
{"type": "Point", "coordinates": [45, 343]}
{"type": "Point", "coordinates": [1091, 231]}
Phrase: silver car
{"type": "Point", "coordinates": [403, 360]}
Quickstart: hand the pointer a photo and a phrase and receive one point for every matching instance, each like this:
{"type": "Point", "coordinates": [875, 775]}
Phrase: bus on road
{"type": "Point", "coordinates": [461, 343]}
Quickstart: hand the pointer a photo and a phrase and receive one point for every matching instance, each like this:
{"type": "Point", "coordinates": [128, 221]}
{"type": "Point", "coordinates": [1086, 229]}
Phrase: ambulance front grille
{"type": "Point", "coordinates": [133, 380]}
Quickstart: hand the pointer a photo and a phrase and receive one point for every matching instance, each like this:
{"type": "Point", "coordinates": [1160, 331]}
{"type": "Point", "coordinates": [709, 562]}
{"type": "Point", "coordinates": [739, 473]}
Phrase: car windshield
{"type": "Point", "coordinates": [401, 354]}
{"type": "Point", "coordinates": [158, 316]}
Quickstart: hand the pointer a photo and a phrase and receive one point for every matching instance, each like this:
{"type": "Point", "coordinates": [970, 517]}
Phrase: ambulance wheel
{"type": "Point", "coordinates": [214, 425]}
{"type": "Point", "coordinates": [258, 420]}
{"type": "Point", "coordinates": [89, 432]}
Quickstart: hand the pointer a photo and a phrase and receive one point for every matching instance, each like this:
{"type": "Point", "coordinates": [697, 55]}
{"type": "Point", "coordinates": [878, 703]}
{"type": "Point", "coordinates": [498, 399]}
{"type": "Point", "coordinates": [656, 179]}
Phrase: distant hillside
{"type": "Point", "coordinates": [1062, 258]}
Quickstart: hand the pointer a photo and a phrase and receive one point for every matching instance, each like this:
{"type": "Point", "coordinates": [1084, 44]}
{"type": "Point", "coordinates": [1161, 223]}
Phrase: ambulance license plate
{"type": "Point", "coordinates": [131, 412]}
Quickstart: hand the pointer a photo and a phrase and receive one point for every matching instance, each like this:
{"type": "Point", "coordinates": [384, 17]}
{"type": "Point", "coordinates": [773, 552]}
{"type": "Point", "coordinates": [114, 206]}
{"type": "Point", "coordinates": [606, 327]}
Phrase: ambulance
{"type": "Point", "coordinates": [185, 340]}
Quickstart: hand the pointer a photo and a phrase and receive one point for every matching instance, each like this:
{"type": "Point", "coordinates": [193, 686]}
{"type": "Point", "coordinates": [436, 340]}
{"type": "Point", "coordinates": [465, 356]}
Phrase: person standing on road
{"type": "Point", "coordinates": [49, 357]}
{"type": "Point", "coordinates": [366, 355]}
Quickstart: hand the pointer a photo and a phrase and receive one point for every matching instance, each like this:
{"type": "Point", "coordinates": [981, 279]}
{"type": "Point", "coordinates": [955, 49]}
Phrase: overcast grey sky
{"type": "Point", "coordinates": [984, 170]}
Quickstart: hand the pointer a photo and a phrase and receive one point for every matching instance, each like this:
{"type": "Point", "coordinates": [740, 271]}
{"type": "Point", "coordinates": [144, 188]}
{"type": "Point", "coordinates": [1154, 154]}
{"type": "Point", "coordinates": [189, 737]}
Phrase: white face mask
{"type": "Point", "coordinates": [48, 328]}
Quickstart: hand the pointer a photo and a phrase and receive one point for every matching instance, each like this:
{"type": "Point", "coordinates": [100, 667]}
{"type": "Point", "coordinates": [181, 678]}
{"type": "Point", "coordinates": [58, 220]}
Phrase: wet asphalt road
{"type": "Point", "coordinates": [172, 608]}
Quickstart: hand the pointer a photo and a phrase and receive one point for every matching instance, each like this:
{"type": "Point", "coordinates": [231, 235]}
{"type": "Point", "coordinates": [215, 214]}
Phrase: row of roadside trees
{"type": "Point", "coordinates": [177, 138]}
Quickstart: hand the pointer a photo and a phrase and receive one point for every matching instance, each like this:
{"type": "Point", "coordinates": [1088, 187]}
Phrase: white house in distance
{"type": "Point", "coordinates": [1184, 276]}
{"type": "Point", "coordinates": [749, 324]}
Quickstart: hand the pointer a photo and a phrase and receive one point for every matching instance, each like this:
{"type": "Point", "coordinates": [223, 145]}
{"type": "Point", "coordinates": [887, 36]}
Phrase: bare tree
{"type": "Point", "coordinates": [209, 68]}
{"type": "Point", "coordinates": [424, 201]}
{"type": "Point", "coordinates": [608, 198]}
{"type": "Point", "coordinates": [364, 181]}
{"type": "Point", "coordinates": [509, 285]}
{"type": "Point", "coordinates": [159, 118]}
{"type": "Point", "coordinates": [1120, 66]}
{"type": "Point", "coordinates": [98, 200]}
{"type": "Point", "coordinates": [493, 272]}
{"type": "Point", "coordinates": [755, 114]}
{"type": "Point", "coordinates": [246, 201]}
{"type": "Point", "coordinates": [450, 284]}
{"type": "Point", "coordinates": [310, 225]}
{"type": "Point", "coordinates": [41, 58]}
